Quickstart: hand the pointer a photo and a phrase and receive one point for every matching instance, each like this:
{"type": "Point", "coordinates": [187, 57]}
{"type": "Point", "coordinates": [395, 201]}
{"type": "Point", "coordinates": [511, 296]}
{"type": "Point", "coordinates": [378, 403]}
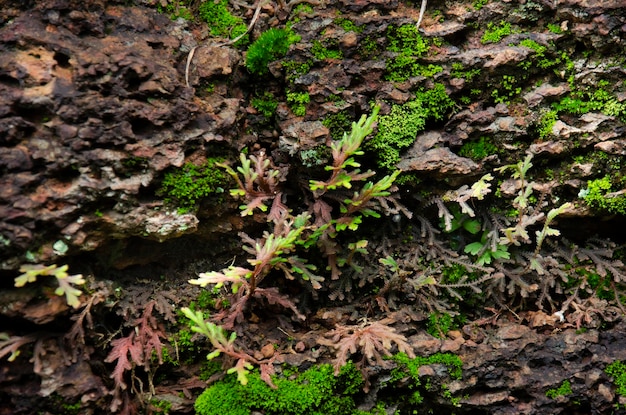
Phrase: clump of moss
{"type": "Point", "coordinates": [338, 124]}
{"type": "Point", "coordinates": [321, 52]}
{"type": "Point", "coordinates": [409, 45]}
{"type": "Point", "coordinates": [408, 367]}
{"type": "Point", "coordinates": [546, 123]}
{"type": "Point", "coordinates": [348, 25]}
{"type": "Point", "coordinates": [315, 391]}
{"type": "Point", "coordinates": [270, 46]}
{"type": "Point", "coordinates": [495, 33]}
{"type": "Point", "coordinates": [265, 104]}
{"type": "Point", "coordinates": [186, 186]}
{"type": "Point", "coordinates": [398, 129]}
{"type": "Point", "coordinates": [297, 102]}
{"type": "Point", "coordinates": [479, 149]}
{"type": "Point", "coordinates": [563, 390]}
{"type": "Point", "coordinates": [598, 98]}
{"type": "Point", "coordinates": [598, 196]}
{"type": "Point", "coordinates": [221, 22]}
{"type": "Point", "coordinates": [617, 370]}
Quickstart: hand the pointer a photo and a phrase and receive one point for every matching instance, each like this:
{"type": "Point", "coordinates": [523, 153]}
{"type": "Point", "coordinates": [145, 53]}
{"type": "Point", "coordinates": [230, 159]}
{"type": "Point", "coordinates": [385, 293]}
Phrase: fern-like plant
{"type": "Point", "coordinates": [66, 282]}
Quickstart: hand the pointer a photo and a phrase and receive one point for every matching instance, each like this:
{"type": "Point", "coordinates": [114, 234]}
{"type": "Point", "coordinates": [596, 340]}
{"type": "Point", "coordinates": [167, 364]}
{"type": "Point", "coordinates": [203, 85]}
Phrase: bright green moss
{"type": "Point", "coordinates": [221, 22]}
{"type": "Point", "coordinates": [563, 390]}
{"type": "Point", "coordinates": [407, 40]}
{"type": "Point", "coordinates": [495, 33]}
{"type": "Point", "coordinates": [297, 101]}
{"type": "Point", "coordinates": [439, 324]}
{"type": "Point", "coordinates": [617, 370]}
{"type": "Point", "coordinates": [507, 89]}
{"type": "Point", "coordinates": [398, 129]}
{"type": "Point", "coordinates": [598, 98]}
{"type": "Point", "coordinates": [265, 104]}
{"type": "Point", "coordinates": [409, 46]}
{"type": "Point", "coordinates": [597, 196]}
{"type": "Point", "coordinates": [546, 123]}
{"type": "Point", "coordinates": [273, 44]}
{"type": "Point", "coordinates": [458, 71]}
{"type": "Point", "coordinates": [321, 52]}
{"type": "Point", "coordinates": [186, 186]}
{"type": "Point", "coordinates": [316, 391]}
{"type": "Point", "coordinates": [555, 28]}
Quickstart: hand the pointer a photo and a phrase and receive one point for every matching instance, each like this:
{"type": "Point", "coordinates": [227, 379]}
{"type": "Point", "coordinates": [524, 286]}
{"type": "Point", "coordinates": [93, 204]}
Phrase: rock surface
{"type": "Point", "coordinates": [95, 109]}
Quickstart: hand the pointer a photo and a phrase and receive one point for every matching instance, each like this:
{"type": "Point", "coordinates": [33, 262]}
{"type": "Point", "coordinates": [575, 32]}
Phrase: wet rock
{"type": "Point", "coordinates": [440, 162]}
{"type": "Point", "coordinates": [211, 61]}
{"type": "Point", "coordinates": [539, 95]}
{"type": "Point", "coordinates": [76, 103]}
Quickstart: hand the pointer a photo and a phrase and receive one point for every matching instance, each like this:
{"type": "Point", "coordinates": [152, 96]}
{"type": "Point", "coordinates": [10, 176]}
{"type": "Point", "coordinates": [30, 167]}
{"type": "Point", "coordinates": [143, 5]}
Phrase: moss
{"type": "Point", "coordinates": [270, 46]}
{"type": "Point", "coordinates": [407, 367]}
{"type": "Point", "coordinates": [563, 390]}
{"type": "Point", "coordinates": [479, 4]}
{"type": "Point", "coordinates": [598, 196]}
{"type": "Point", "coordinates": [266, 104]}
{"type": "Point", "coordinates": [295, 69]}
{"type": "Point", "coordinates": [554, 28]}
{"type": "Point", "coordinates": [479, 149]}
{"type": "Point", "coordinates": [407, 40]}
{"type": "Point", "coordinates": [178, 9]}
{"type": "Point", "coordinates": [368, 47]}
{"type": "Point", "coordinates": [508, 89]}
{"type": "Point", "coordinates": [186, 186]}
{"type": "Point", "coordinates": [409, 45]}
{"type": "Point", "coordinates": [338, 124]}
{"type": "Point", "coordinates": [598, 98]}
{"type": "Point", "coordinates": [494, 33]}
{"type": "Point", "coordinates": [322, 52]}
{"type": "Point", "coordinates": [398, 130]}
{"type": "Point", "coordinates": [302, 8]}
{"type": "Point", "coordinates": [160, 406]}
{"type": "Point", "coordinates": [316, 391]}
{"type": "Point", "coordinates": [221, 22]}
{"type": "Point", "coordinates": [439, 324]}
{"type": "Point", "coordinates": [297, 101]}
{"type": "Point", "coordinates": [348, 25]}
{"type": "Point", "coordinates": [458, 71]}
{"type": "Point", "coordinates": [546, 123]}
{"type": "Point", "coordinates": [617, 370]}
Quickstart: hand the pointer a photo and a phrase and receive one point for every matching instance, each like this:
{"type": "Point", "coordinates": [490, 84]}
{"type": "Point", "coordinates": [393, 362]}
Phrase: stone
{"type": "Point", "coordinates": [211, 61]}
{"type": "Point", "coordinates": [439, 161]}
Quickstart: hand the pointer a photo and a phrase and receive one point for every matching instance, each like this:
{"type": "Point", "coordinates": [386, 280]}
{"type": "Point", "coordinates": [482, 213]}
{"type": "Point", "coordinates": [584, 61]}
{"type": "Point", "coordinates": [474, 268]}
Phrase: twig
{"type": "Point", "coordinates": [422, 10]}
